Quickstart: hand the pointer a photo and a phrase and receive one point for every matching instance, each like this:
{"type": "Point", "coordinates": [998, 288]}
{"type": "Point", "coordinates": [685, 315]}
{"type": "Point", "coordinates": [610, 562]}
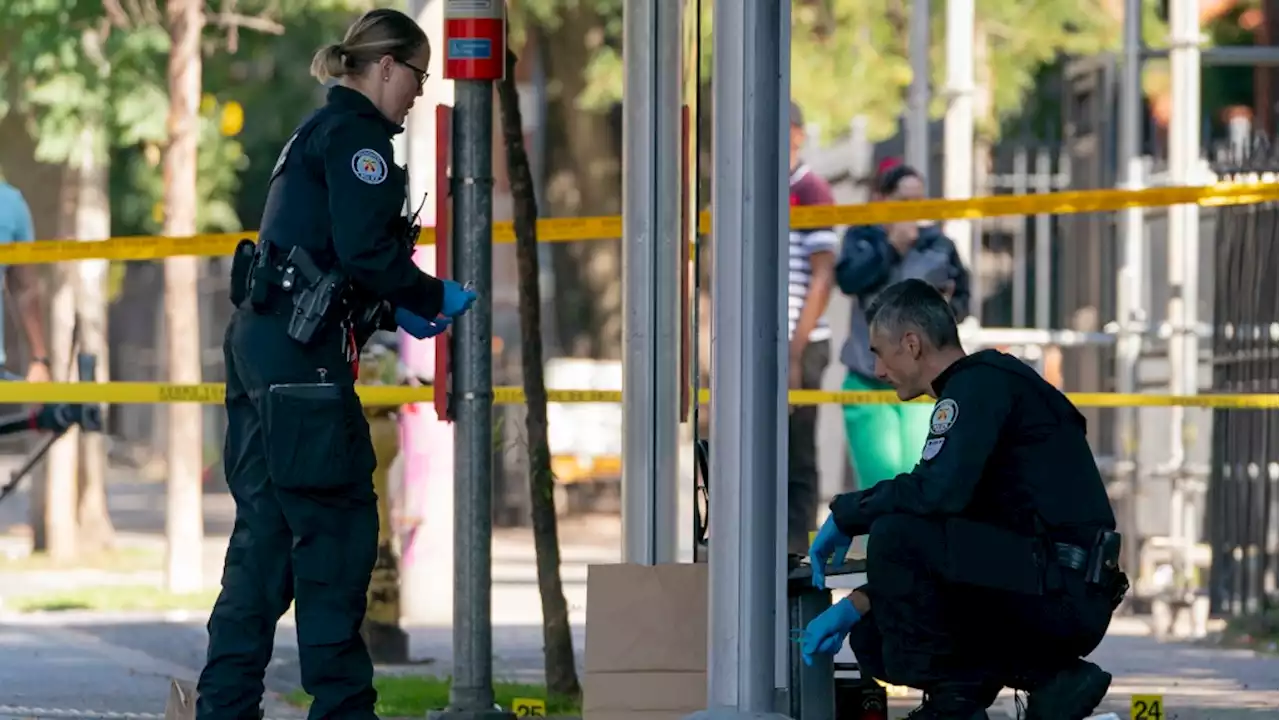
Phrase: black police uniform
{"type": "Point", "coordinates": [978, 560]}
{"type": "Point", "coordinates": [299, 460]}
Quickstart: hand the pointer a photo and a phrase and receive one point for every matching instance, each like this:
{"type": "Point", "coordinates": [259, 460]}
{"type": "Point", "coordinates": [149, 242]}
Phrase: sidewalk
{"type": "Point", "coordinates": [106, 663]}
{"type": "Point", "coordinates": [52, 671]}
{"type": "Point", "coordinates": [112, 662]}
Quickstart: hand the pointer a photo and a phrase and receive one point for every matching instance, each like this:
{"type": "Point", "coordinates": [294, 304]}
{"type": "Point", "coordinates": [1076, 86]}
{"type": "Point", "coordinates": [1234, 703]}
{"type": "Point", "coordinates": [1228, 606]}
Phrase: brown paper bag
{"type": "Point", "coordinates": [646, 618]}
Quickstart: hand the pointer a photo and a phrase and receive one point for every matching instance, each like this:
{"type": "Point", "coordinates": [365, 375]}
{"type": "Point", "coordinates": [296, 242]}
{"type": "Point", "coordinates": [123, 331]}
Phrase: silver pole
{"type": "Point", "coordinates": [472, 691]}
{"type": "Point", "coordinates": [651, 281]}
{"type": "Point", "coordinates": [1044, 253]}
{"type": "Point", "coordinates": [917, 126]}
{"type": "Point", "coordinates": [748, 399]}
{"type": "Point", "coordinates": [1184, 245]}
{"type": "Point", "coordinates": [958, 140]}
{"type": "Point", "coordinates": [1020, 243]}
{"type": "Point", "coordinates": [1129, 276]}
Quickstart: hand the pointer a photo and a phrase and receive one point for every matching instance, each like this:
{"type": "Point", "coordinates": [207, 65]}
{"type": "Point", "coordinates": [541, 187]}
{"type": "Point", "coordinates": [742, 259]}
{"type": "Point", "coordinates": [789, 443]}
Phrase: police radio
{"type": "Point", "coordinates": [242, 270]}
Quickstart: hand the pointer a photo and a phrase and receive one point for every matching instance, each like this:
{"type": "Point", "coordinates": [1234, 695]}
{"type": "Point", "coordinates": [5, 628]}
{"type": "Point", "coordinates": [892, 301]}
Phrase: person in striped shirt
{"type": "Point", "coordinates": [812, 254]}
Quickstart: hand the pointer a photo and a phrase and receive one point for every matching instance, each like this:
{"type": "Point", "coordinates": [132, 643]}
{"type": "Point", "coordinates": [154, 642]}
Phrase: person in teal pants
{"type": "Point", "coordinates": [885, 440]}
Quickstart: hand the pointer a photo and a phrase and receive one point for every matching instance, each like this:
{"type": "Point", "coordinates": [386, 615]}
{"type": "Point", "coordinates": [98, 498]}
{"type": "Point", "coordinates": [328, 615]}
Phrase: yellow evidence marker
{"type": "Point", "coordinates": [1146, 707]}
{"type": "Point", "coordinates": [529, 707]}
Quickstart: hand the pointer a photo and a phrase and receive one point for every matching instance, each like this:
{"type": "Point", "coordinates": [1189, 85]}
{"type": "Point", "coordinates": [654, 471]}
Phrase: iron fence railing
{"type": "Point", "coordinates": [1240, 517]}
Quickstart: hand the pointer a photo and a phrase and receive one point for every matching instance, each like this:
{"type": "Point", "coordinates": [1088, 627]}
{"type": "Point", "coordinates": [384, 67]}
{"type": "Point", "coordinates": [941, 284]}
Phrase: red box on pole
{"type": "Point", "coordinates": [475, 48]}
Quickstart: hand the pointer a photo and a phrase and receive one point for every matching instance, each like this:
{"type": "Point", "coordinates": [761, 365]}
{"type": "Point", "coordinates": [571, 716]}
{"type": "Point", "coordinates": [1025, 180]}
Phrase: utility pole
{"type": "Point", "coordinates": [1129, 293]}
{"type": "Point", "coordinates": [748, 391]}
{"type": "Point", "coordinates": [651, 236]}
{"type": "Point", "coordinates": [474, 56]}
{"type": "Point", "coordinates": [1184, 252]}
{"type": "Point", "coordinates": [184, 519]}
{"type": "Point", "coordinates": [917, 125]}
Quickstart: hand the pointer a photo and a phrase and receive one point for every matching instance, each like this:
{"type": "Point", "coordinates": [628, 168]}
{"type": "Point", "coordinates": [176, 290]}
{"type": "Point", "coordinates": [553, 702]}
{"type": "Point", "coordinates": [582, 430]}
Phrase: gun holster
{"type": "Point", "coordinates": [313, 292]}
{"type": "Point", "coordinates": [1103, 568]}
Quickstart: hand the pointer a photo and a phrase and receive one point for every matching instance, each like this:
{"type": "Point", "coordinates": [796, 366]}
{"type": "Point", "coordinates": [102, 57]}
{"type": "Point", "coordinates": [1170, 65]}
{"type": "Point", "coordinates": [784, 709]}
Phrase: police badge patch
{"type": "Point", "coordinates": [944, 416]}
{"type": "Point", "coordinates": [932, 447]}
{"type": "Point", "coordinates": [369, 166]}
{"type": "Point", "coordinates": [284, 155]}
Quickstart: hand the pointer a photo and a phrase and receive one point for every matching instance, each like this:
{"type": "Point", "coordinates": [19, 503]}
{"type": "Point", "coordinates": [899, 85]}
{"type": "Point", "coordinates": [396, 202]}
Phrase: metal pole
{"type": "Point", "coordinates": [472, 691]}
{"type": "Point", "coordinates": [1129, 276]}
{"type": "Point", "coordinates": [1044, 253]}
{"type": "Point", "coordinates": [1020, 243]}
{"type": "Point", "coordinates": [958, 141]}
{"type": "Point", "coordinates": [747, 395]}
{"type": "Point", "coordinates": [917, 135]}
{"type": "Point", "coordinates": [651, 280]}
{"type": "Point", "coordinates": [1184, 220]}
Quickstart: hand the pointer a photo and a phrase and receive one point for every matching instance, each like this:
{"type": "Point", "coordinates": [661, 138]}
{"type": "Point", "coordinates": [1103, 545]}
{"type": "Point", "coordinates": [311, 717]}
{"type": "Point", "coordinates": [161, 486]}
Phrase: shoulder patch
{"type": "Point", "coordinates": [369, 166]}
{"type": "Point", "coordinates": [284, 155]}
{"type": "Point", "coordinates": [932, 447]}
{"type": "Point", "coordinates": [944, 416]}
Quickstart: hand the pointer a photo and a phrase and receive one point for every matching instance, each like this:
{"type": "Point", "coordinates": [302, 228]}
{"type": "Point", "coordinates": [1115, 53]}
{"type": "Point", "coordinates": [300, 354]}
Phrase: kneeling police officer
{"type": "Point", "coordinates": [994, 562]}
{"type": "Point", "coordinates": [333, 265]}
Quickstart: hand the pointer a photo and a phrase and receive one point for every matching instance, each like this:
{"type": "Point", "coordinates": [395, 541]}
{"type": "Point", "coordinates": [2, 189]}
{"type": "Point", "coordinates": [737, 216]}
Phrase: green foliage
{"type": "Point", "coordinates": [69, 65]}
{"type": "Point", "coordinates": [849, 57]}
{"type": "Point", "coordinates": [220, 160]}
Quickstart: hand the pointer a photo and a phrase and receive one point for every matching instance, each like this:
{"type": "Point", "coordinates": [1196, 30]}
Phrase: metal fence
{"type": "Point", "coordinates": [1240, 518]}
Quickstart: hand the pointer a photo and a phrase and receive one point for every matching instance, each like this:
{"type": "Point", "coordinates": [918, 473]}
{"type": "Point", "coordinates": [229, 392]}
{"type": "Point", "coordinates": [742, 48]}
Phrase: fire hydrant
{"type": "Point", "coordinates": [381, 631]}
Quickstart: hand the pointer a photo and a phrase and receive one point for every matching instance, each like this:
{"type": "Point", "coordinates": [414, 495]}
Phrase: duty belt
{"type": "Point", "coordinates": [1100, 564]}
{"type": "Point", "coordinates": [1071, 557]}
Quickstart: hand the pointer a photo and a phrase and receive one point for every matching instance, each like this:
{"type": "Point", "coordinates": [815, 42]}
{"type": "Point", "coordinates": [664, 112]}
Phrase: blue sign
{"type": "Point", "coordinates": [470, 49]}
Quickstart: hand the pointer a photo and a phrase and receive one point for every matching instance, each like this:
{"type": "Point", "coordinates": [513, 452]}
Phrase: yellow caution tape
{"type": "Point", "coordinates": [610, 227]}
{"type": "Point", "coordinates": [143, 393]}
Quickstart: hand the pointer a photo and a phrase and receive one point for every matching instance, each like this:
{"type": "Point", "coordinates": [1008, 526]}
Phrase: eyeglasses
{"type": "Point", "coordinates": [418, 72]}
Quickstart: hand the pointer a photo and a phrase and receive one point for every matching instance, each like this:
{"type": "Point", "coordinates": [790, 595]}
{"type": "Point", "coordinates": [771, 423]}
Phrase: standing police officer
{"type": "Point", "coordinates": [994, 561]}
{"type": "Point", "coordinates": [333, 264]}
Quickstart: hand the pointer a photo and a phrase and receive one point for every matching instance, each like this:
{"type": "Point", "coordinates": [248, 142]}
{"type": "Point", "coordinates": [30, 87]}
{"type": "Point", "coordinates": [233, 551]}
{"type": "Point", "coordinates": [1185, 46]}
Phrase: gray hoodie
{"type": "Point", "coordinates": [868, 264]}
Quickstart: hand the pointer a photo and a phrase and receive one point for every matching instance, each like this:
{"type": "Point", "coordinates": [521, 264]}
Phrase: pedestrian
{"type": "Point", "coordinates": [811, 258]}
{"type": "Point", "coordinates": [334, 250]}
{"type": "Point", "coordinates": [22, 284]}
{"type": "Point", "coordinates": [885, 439]}
{"type": "Point", "coordinates": [995, 561]}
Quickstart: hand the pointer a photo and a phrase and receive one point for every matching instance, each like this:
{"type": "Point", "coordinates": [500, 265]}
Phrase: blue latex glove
{"type": "Point", "coordinates": [457, 299]}
{"type": "Point", "coordinates": [825, 634]}
{"type": "Point", "coordinates": [829, 547]}
{"type": "Point", "coordinates": [420, 327]}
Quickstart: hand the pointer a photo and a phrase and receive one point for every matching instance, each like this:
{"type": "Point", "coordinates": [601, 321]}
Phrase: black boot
{"type": "Point", "coordinates": [947, 705]}
{"type": "Point", "coordinates": [1072, 694]}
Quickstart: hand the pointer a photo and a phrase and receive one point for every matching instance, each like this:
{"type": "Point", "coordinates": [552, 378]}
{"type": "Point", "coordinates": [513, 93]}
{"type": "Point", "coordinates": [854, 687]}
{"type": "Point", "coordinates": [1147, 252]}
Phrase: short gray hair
{"type": "Point", "coordinates": [915, 305]}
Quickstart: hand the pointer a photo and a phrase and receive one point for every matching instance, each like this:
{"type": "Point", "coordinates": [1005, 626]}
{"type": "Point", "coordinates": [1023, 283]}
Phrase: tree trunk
{"type": "Point", "coordinates": [557, 638]}
{"type": "Point", "coordinates": [584, 178]}
{"type": "Point", "coordinates": [62, 463]}
{"type": "Point", "coordinates": [184, 521]}
{"type": "Point", "coordinates": [93, 222]}
{"type": "Point", "coordinates": [56, 532]}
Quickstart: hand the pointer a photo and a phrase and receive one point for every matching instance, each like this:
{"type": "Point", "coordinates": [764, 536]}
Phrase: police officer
{"type": "Point", "coordinates": [334, 253]}
{"type": "Point", "coordinates": [994, 562]}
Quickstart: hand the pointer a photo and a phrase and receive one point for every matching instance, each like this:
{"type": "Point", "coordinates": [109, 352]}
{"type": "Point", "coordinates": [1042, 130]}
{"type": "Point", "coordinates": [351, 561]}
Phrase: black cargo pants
{"type": "Point", "coordinates": [802, 451]}
{"type": "Point", "coordinates": [928, 629]}
{"type": "Point", "coordinates": [306, 529]}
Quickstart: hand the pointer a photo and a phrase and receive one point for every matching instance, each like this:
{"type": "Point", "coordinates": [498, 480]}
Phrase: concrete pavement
{"type": "Point", "coordinates": [121, 663]}
{"type": "Point", "coordinates": [113, 662]}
